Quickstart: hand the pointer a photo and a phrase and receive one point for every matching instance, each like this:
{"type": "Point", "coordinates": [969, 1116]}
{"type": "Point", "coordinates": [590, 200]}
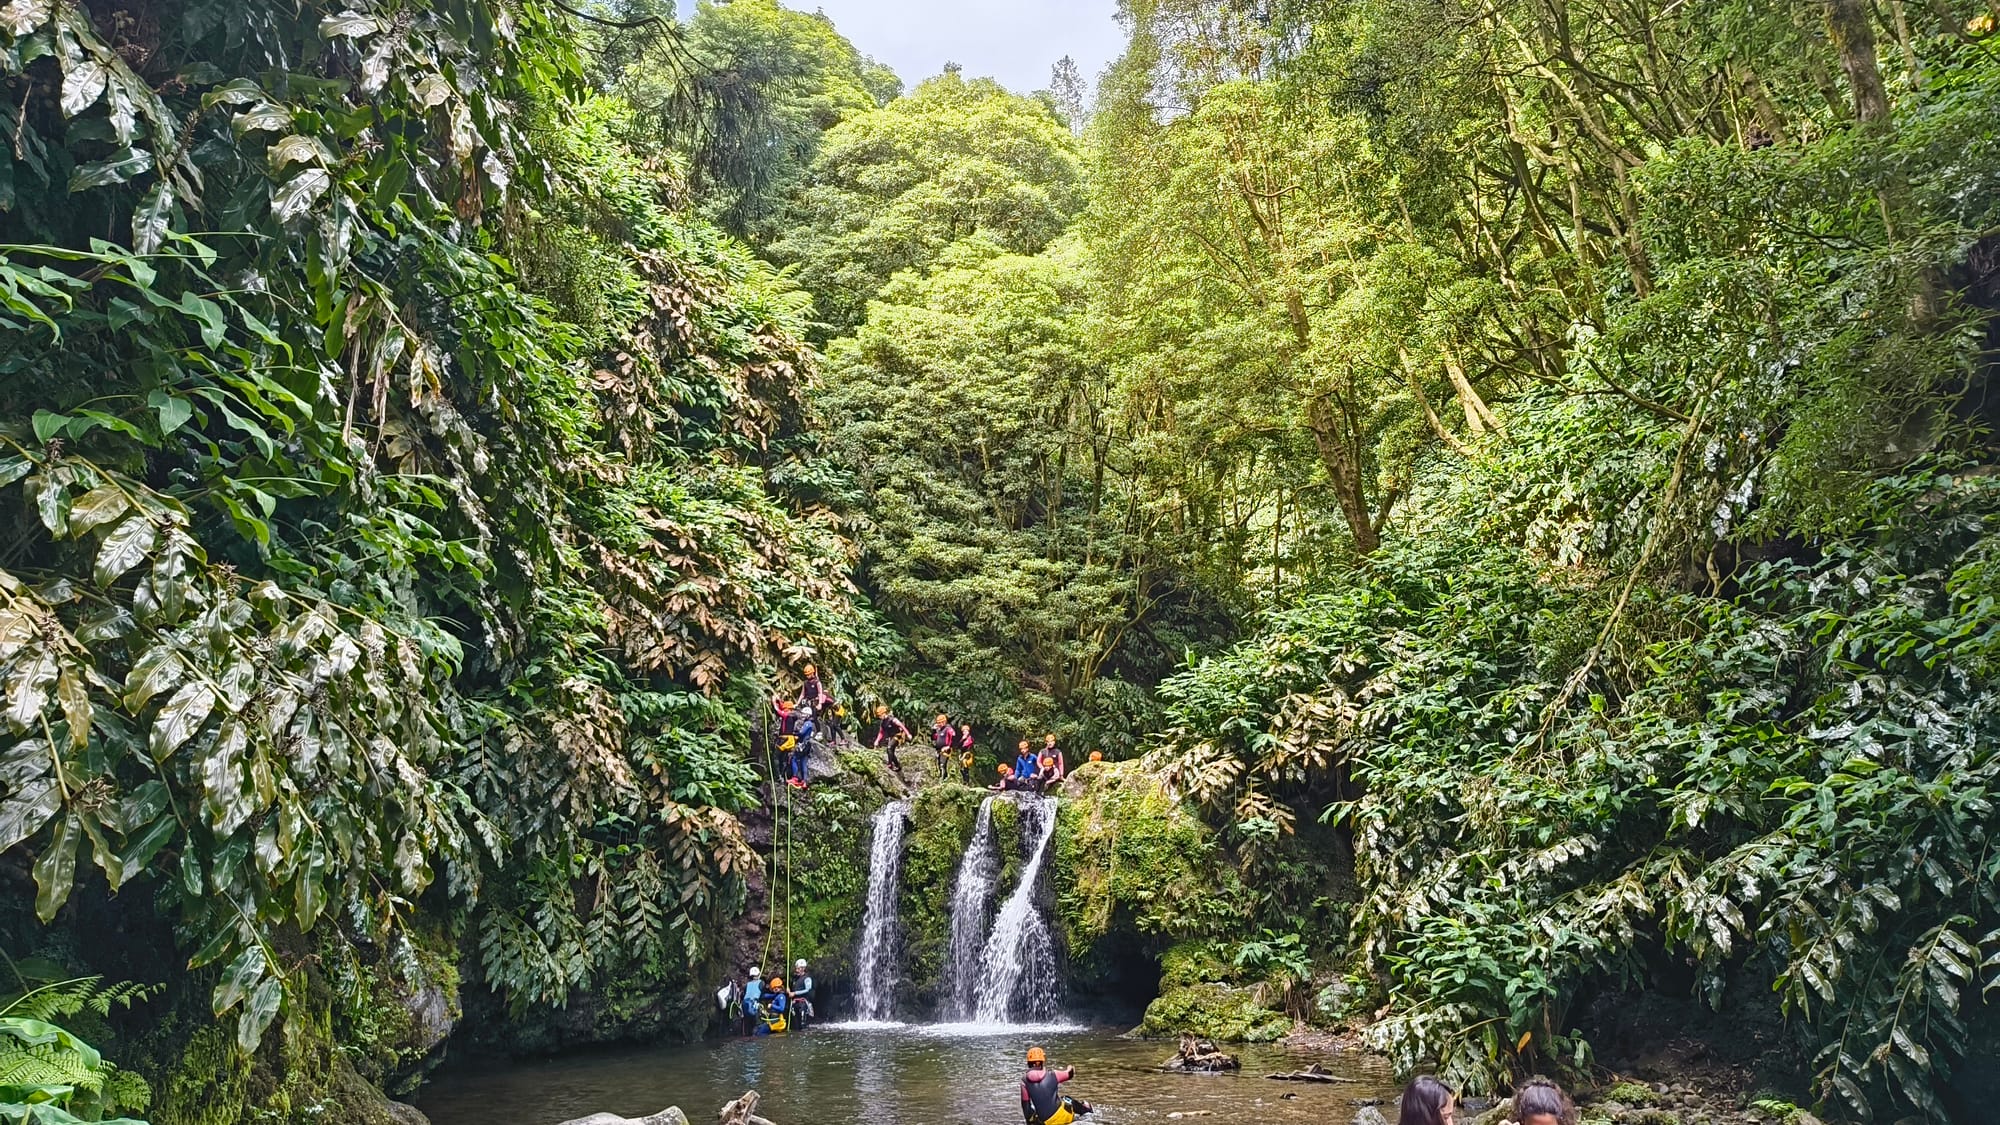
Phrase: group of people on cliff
{"type": "Point", "coordinates": [815, 718]}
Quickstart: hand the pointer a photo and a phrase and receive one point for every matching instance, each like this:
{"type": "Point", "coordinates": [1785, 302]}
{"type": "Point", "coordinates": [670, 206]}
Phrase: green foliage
{"type": "Point", "coordinates": [49, 1075]}
{"type": "Point", "coordinates": [891, 189]}
{"type": "Point", "coordinates": [350, 561]}
{"type": "Point", "coordinates": [1005, 531]}
{"type": "Point", "coordinates": [751, 88]}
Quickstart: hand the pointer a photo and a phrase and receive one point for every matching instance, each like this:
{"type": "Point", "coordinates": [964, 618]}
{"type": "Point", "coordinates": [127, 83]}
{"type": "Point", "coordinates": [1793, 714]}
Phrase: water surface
{"type": "Point", "coordinates": [956, 1075]}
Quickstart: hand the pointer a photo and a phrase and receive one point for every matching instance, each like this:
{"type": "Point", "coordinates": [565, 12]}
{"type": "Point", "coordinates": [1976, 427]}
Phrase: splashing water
{"type": "Point", "coordinates": [971, 907]}
{"type": "Point", "coordinates": [1019, 958]}
{"type": "Point", "coordinates": [875, 963]}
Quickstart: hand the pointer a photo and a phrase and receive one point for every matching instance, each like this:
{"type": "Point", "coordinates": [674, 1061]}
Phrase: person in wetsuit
{"type": "Point", "coordinates": [799, 760]}
{"type": "Point", "coordinates": [889, 732]}
{"type": "Point", "coordinates": [944, 737]}
{"type": "Point", "coordinates": [802, 994]}
{"type": "Point", "coordinates": [1042, 1100]}
{"type": "Point", "coordinates": [965, 752]}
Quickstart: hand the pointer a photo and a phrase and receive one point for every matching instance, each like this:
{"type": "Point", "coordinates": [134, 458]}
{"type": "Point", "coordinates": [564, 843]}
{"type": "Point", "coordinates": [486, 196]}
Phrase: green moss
{"type": "Point", "coordinates": [1132, 865]}
{"type": "Point", "coordinates": [1632, 1094]}
{"type": "Point", "coordinates": [828, 863]}
{"type": "Point", "coordinates": [206, 1084]}
{"type": "Point", "coordinates": [941, 822]}
{"type": "Point", "coordinates": [1216, 1011]}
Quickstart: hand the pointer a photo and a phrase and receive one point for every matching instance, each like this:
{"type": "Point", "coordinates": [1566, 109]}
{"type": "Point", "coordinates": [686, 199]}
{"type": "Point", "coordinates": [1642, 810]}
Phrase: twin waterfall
{"type": "Point", "coordinates": [1000, 965]}
{"type": "Point", "coordinates": [875, 955]}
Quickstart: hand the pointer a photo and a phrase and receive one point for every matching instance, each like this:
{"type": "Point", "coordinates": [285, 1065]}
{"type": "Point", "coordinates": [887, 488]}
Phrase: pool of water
{"type": "Point", "coordinates": [953, 1075]}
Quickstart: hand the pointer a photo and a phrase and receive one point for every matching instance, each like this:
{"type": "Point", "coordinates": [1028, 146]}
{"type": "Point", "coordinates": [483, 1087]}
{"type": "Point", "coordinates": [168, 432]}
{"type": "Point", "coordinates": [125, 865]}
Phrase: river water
{"type": "Point", "coordinates": [902, 1076]}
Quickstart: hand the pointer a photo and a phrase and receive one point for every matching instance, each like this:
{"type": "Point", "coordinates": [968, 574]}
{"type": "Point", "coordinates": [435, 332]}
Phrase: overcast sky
{"type": "Point", "coordinates": [1015, 41]}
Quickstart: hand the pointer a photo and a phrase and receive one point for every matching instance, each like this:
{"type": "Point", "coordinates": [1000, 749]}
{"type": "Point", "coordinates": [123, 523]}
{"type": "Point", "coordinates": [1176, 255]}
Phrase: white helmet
{"type": "Point", "coordinates": [799, 965]}
{"type": "Point", "coordinates": [756, 974]}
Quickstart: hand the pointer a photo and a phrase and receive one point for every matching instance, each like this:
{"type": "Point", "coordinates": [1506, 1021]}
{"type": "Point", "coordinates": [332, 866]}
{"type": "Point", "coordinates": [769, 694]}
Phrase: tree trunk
{"type": "Point", "coordinates": [1343, 467]}
{"type": "Point", "coordinates": [1852, 31]}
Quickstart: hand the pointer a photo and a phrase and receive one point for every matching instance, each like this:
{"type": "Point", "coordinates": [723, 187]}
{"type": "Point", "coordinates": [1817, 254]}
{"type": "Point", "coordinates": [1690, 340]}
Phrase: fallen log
{"type": "Point", "coordinates": [1201, 1055]}
{"type": "Point", "coordinates": [1313, 1073]}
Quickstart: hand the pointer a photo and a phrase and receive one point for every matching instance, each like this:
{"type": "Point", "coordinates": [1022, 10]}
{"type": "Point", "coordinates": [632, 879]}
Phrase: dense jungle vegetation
{"type": "Point", "coordinates": [1522, 470]}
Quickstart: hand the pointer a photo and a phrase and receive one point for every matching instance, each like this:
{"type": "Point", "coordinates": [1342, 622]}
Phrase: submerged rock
{"type": "Point", "coordinates": [1369, 1115]}
{"type": "Point", "coordinates": [669, 1116]}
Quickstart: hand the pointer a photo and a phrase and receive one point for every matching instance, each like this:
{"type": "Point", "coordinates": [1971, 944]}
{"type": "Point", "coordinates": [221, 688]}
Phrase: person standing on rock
{"type": "Point", "coordinates": [1428, 1101]}
{"type": "Point", "coordinates": [889, 733]}
{"type": "Point", "coordinates": [966, 752]}
{"type": "Point", "coordinates": [1042, 1100]}
{"type": "Point", "coordinates": [944, 737]}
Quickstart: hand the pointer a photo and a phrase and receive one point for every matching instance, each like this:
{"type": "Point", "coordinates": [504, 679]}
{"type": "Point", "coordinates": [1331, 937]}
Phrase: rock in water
{"type": "Point", "coordinates": [1202, 1055]}
{"type": "Point", "coordinates": [1369, 1115]}
{"type": "Point", "coordinates": [669, 1116]}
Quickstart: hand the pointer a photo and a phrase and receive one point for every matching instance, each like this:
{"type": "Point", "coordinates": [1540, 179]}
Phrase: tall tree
{"type": "Point", "coordinates": [893, 188]}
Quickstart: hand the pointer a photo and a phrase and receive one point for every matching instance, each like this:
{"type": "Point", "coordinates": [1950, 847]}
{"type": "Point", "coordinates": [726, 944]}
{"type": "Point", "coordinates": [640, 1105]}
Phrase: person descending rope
{"type": "Point", "coordinates": [889, 733]}
{"type": "Point", "coordinates": [943, 738]}
{"type": "Point", "coordinates": [1042, 1100]}
{"type": "Point", "coordinates": [802, 994]}
{"type": "Point", "coordinates": [965, 752]}
{"type": "Point", "coordinates": [799, 761]}
{"type": "Point", "coordinates": [771, 1007]}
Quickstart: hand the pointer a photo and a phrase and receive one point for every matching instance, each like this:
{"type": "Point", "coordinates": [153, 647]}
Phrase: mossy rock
{"type": "Point", "coordinates": [1131, 861]}
{"type": "Point", "coordinates": [1213, 1011]}
{"type": "Point", "coordinates": [1636, 1094]}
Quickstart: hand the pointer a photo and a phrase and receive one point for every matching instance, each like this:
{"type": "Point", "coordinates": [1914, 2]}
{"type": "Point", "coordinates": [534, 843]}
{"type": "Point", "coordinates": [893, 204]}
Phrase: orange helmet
{"type": "Point", "coordinates": [1037, 1056]}
{"type": "Point", "coordinates": [778, 983]}
{"type": "Point", "coordinates": [1097, 755]}
{"type": "Point", "coordinates": [810, 669]}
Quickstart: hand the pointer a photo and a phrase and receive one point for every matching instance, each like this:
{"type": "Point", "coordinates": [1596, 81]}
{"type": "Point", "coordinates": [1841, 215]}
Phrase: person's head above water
{"type": "Point", "coordinates": [1037, 1056]}
{"type": "Point", "coordinates": [1428, 1101]}
{"type": "Point", "coordinates": [1539, 1101]}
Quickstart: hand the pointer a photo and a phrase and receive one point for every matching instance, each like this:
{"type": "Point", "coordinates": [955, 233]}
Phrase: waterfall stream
{"type": "Point", "coordinates": [875, 962]}
{"type": "Point", "coordinates": [1017, 965]}
{"type": "Point", "coordinates": [971, 908]}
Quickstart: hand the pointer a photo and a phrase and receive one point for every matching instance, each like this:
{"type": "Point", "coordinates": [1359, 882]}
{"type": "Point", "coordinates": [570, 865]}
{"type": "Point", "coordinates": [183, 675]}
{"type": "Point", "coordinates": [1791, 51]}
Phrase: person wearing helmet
{"type": "Point", "coordinates": [802, 994]}
{"type": "Point", "coordinates": [814, 693]}
{"type": "Point", "coordinates": [1027, 768]}
{"type": "Point", "coordinates": [753, 998]}
{"type": "Point", "coordinates": [800, 756]}
{"type": "Point", "coordinates": [889, 733]}
{"type": "Point", "coordinates": [965, 752]}
{"type": "Point", "coordinates": [771, 1009]}
{"type": "Point", "coordinates": [944, 736]}
{"type": "Point", "coordinates": [1042, 1100]}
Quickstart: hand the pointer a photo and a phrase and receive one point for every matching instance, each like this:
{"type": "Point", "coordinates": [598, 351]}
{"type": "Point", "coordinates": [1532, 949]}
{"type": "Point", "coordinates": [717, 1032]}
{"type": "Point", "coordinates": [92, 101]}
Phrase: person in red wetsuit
{"type": "Point", "coordinates": [1042, 1100]}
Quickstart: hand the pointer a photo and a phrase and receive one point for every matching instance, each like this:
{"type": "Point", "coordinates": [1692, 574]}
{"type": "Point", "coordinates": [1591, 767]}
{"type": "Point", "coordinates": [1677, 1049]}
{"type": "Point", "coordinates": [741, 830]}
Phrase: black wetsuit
{"type": "Point", "coordinates": [888, 731]}
{"type": "Point", "coordinates": [1041, 1093]}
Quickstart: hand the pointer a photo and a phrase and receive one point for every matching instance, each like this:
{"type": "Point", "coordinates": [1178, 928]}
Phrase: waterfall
{"type": "Point", "coordinates": [1018, 962]}
{"type": "Point", "coordinates": [875, 962]}
{"type": "Point", "coordinates": [971, 906]}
